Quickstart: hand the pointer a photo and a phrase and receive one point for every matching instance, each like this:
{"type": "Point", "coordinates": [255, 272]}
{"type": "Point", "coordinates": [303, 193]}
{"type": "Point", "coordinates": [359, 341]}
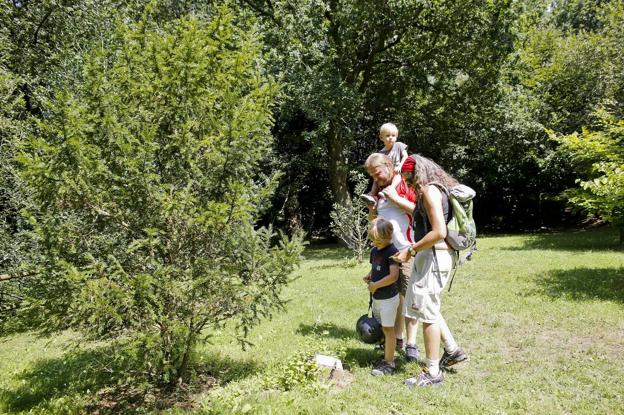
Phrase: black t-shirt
{"type": "Point", "coordinates": [380, 267]}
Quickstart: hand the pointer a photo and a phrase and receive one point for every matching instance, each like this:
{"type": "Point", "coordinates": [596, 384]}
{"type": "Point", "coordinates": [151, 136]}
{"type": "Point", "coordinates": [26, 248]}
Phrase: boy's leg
{"type": "Point", "coordinates": [395, 181]}
{"type": "Point", "coordinates": [387, 310]}
{"type": "Point", "coordinates": [390, 344]}
{"type": "Point", "coordinates": [371, 197]}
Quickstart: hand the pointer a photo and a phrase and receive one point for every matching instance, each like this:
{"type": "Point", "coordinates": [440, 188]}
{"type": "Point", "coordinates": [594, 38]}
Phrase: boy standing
{"type": "Point", "coordinates": [381, 282]}
{"type": "Point", "coordinates": [397, 151]}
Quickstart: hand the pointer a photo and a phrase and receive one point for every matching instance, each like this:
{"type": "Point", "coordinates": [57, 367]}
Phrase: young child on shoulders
{"type": "Point", "coordinates": [382, 285]}
{"type": "Point", "coordinates": [397, 151]}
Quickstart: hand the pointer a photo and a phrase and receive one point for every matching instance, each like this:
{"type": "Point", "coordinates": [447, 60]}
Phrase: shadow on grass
{"type": "Point", "coordinates": [362, 357]}
{"type": "Point", "coordinates": [104, 382]}
{"type": "Point", "coordinates": [326, 329]}
{"type": "Point", "coordinates": [584, 284]}
{"type": "Point", "coordinates": [601, 239]}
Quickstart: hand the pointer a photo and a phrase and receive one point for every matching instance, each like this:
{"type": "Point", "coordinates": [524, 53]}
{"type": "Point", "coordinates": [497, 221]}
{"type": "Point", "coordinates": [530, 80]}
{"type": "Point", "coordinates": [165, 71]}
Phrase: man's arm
{"type": "Point", "coordinates": [392, 195]}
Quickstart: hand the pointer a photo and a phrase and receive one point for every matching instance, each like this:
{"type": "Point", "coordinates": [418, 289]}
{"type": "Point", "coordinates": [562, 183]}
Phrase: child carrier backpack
{"type": "Point", "coordinates": [461, 230]}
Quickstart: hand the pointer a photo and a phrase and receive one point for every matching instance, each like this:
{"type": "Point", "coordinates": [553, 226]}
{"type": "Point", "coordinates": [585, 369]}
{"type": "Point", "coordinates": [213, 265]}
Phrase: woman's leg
{"type": "Point", "coordinates": [431, 334]}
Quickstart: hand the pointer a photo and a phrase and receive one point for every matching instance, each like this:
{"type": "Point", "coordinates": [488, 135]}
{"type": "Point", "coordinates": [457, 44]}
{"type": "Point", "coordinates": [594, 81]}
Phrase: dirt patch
{"type": "Point", "coordinates": [340, 379]}
{"type": "Point", "coordinates": [128, 400]}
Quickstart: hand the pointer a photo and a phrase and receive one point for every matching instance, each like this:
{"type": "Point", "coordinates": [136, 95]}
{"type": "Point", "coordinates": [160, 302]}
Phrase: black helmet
{"type": "Point", "coordinates": [369, 329]}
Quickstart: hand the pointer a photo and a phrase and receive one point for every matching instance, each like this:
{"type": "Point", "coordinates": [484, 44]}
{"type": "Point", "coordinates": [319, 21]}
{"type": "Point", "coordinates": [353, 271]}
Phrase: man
{"type": "Point", "coordinates": [396, 205]}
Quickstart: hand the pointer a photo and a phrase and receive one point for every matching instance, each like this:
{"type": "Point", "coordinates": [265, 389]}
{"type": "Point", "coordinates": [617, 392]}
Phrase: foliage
{"type": "Point", "coordinates": [350, 221]}
{"type": "Point", "coordinates": [146, 183]}
{"type": "Point", "coordinates": [349, 66]}
{"type": "Point", "coordinates": [300, 370]}
{"type": "Point", "coordinates": [600, 156]}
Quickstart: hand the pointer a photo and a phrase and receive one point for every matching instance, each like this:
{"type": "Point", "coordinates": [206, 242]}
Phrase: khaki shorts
{"type": "Point", "coordinates": [422, 300]}
{"type": "Point", "coordinates": [405, 271]}
{"type": "Point", "coordinates": [385, 311]}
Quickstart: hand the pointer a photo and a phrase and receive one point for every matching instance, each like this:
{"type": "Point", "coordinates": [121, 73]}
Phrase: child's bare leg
{"type": "Point", "coordinates": [395, 181]}
{"type": "Point", "coordinates": [371, 197]}
{"type": "Point", "coordinates": [375, 189]}
{"type": "Point", "coordinates": [390, 344]}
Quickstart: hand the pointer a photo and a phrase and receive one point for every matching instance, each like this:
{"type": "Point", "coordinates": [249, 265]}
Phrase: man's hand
{"type": "Point", "coordinates": [401, 256]}
{"type": "Point", "coordinates": [390, 193]}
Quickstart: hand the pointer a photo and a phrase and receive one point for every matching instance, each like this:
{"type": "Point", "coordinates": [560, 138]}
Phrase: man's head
{"type": "Point", "coordinates": [380, 168]}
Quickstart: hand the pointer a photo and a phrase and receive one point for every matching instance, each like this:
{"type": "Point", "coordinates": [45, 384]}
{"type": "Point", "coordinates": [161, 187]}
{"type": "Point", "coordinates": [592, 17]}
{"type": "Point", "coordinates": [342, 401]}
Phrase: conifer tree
{"type": "Point", "coordinates": [147, 180]}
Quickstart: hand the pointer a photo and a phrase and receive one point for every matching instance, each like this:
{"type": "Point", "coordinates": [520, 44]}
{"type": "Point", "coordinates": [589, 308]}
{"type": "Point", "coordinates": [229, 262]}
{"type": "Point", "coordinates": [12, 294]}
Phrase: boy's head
{"type": "Point", "coordinates": [388, 134]}
{"type": "Point", "coordinates": [380, 232]}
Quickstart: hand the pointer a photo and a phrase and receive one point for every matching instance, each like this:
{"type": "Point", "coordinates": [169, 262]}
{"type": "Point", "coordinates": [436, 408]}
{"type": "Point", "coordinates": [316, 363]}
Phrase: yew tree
{"type": "Point", "coordinates": [147, 179]}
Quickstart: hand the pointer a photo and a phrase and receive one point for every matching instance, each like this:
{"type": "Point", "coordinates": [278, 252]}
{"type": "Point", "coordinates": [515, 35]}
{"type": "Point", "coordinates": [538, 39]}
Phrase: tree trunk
{"type": "Point", "coordinates": [338, 167]}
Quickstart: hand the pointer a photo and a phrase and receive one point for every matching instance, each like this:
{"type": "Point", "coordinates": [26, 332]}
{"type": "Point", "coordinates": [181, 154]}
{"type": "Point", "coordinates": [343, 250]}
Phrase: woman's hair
{"type": "Point", "coordinates": [380, 230]}
{"type": "Point", "coordinates": [427, 171]}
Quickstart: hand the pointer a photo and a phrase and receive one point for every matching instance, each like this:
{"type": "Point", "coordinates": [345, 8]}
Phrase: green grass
{"type": "Point", "coordinates": [541, 317]}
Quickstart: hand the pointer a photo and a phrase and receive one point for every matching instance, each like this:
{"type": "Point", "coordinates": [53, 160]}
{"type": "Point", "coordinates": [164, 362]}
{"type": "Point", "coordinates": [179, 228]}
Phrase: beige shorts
{"type": "Point", "coordinates": [385, 311]}
{"type": "Point", "coordinates": [405, 270]}
{"type": "Point", "coordinates": [422, 300]}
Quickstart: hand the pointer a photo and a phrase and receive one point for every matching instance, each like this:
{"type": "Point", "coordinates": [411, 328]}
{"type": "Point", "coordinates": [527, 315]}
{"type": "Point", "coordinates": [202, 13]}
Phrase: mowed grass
{"type": "Point", "coordinates": [541, 316]}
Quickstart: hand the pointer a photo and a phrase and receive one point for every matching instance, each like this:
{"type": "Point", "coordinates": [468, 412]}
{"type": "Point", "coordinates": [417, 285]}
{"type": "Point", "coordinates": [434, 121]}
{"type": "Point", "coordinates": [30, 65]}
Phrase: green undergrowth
{"type": "Point", "coordinates": [540, 316]}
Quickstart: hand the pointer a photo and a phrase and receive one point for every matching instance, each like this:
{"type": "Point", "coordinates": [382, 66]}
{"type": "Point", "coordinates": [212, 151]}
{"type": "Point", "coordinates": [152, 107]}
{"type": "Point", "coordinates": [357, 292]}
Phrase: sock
{"type": "Point", "coordinates": [433, 366]}
{"type": "Point", "coordinates": [449, 342]}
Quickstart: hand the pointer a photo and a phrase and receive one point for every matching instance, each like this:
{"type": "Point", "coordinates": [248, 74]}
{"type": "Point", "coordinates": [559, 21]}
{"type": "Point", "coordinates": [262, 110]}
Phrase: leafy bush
{"type": "Point", "coordinates": [600, 156]}
{"type": "Point", "coordinates": [350, 221]}
{"type": "Point", "coordinates": [146, 183]}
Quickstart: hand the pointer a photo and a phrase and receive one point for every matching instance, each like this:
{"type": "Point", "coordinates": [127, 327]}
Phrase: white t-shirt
{"type": "Point", "coordinates": [402, 234]}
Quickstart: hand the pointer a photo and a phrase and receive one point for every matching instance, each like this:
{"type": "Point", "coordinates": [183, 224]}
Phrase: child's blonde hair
{"type": "Point", "coordinates": [380, 230]}
{"type": "Point", "coordinates": [388, 126]}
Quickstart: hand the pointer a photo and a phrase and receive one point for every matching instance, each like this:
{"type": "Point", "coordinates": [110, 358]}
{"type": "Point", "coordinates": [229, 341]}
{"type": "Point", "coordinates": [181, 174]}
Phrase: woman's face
{"type": "Point", "coordinates": [410, 178]}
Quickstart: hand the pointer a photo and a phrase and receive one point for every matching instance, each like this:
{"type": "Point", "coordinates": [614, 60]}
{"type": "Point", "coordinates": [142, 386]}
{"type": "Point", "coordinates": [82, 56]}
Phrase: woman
{"type": "Point", "coordinates": [432, 265]}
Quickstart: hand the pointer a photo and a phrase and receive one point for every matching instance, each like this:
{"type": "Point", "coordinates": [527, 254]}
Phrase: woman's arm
{"type": "Point", "coordinates": [432, 198]}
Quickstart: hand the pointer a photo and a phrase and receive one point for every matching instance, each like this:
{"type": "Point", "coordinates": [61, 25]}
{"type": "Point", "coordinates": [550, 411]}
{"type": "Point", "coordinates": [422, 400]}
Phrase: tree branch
{"type": "Point", "coordinates": [6, 277]}
{"type": "Point", "coordinates": [45, 18]}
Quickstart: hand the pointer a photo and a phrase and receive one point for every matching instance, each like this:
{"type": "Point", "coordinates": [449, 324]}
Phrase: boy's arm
{"type": "Point", "coordinates": [404, 156]}
{"type": "Point", "coordinates": [387, 280]}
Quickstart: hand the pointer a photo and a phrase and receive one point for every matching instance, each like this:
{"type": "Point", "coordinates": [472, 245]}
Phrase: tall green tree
{"type": "Point", "coordinates": [348, 65]}
{"type": "Point", "coordinates": [146, 181]}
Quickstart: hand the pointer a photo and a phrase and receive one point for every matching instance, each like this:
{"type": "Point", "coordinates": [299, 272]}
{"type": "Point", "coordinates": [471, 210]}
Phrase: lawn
{"type": "Point", "coordinates": [541, 316]}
